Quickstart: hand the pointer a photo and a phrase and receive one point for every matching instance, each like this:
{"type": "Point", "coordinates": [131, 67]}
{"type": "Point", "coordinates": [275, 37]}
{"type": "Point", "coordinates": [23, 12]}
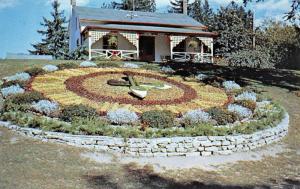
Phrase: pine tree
{"type": "Point", "coordinates": [139, 5]}
{"type": "Point", "coordinates": [207, 15]}
{"type": "Point", "coordinates": [177, 6]}
{"type": "Point", "coordinates": [196, 10]}
{"type": "Point", "coordinates": [55, 41]}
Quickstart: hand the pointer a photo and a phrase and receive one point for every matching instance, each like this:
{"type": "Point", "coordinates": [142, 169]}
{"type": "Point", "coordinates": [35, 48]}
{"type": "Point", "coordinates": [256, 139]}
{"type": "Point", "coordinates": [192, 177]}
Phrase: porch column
{"type": "Point", "coordinates": [202, 52]}
{"type": "Point", "coordinates": [138, 46]}
{"type": "Point", "coordinates": [171, 47]}
{"type": "Point", "coordinates": [212, 50]}
{"type": "Point", "coordinates": [90, 47]}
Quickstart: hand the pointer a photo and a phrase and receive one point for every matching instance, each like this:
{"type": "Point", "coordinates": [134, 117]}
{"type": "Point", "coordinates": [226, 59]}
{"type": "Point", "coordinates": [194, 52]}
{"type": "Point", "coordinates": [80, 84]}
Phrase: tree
{"type": "Point", "coordinates": [177, 6]}
{"type": "Point", "coordinates": [233, 33]}
{"type": "Point", "coordinates": [196, 11]}
{"type": "Point", "coordinates": [202, 13]}
{"type": "Point", "coordinates": [55, 41]}
{"type": "Point", "coordinates": [141, 5]}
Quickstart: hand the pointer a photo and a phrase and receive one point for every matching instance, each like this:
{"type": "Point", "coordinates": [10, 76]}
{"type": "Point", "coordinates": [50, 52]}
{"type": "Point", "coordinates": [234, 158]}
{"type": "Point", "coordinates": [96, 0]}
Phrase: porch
{"type": "Point", "coordinates": [151, 47]}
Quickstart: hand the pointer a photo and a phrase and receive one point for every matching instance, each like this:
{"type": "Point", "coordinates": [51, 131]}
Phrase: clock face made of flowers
{"type": "Point", "coordinates": [135, 89]}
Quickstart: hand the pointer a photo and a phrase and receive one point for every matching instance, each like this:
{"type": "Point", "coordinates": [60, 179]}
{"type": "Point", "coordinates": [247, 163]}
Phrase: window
{"type": "Point", "coordinates": [110, 42]}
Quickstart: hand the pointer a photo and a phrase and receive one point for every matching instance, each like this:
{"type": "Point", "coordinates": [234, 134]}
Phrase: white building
{"type": "Point", "coordinates": [144, 36]}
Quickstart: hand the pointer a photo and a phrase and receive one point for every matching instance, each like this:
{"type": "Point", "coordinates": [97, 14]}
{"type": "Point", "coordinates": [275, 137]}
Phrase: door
{"type": "Point", "coordinates": [147, 48]}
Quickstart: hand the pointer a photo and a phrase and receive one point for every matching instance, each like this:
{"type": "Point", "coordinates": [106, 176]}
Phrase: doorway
{"type": "Point", "coordinates": [147, 48]}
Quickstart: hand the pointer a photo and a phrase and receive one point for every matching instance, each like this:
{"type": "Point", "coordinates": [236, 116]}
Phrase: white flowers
{"type": "Point", "coordinates": [14, 89]}
{"type": "Point", "coordinates": [247, 96]}
{"type": "Point", "coordinates": [131, 65]}
{"type": "Point", "coordinates": [50, 68]}
{"type": "Point", "coordinates": [196, 116]}
{"type": "Point", "coordinates": [45, 107]}
{"type": "Point", "coordinates": [201, 76]}
{"type": "Point", "coordinates": [231, 85]}
{"type": "Point", "coordinates": [87, 64]}
{"type": "Point", "coordinates": [167, 69]}
{"type": "Point", "coordinates": [18, 77]}
{"type": "Point", "coordinates": [122, 116]}
{"type": "Point", "coordinates": [240, 110]}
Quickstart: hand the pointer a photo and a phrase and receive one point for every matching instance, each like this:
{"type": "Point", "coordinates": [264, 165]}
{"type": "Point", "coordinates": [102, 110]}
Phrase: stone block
{"type": "Point", "coordinates": [192, 154]}
{"type": "Point", "coordinates": [206, 153]}
{"type": "Point", "coordinates": [212, 149]}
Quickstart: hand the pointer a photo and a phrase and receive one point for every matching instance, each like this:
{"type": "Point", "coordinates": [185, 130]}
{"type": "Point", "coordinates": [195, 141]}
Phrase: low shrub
{"type": "Point", "coordinates": [67, 66]}
{"type": "Point", "coordinates": [122, 116]}
{"type": "Point", "coordinates": [27, 97]}
{"type": "Point", "coordinates": [108, 64]}
{"type": "Point", "coordinates": [247, 103]}
{"type": "Point", "coordinates": [231, 85]}
{"type": "Point", "coordinates": [35, 71]}
{"type": "Point", "coordinates": [18, 77]}
{"type": "Point", "coordinates": [241, 111]}
{"type": "Point", "coordinates": [22, 84]}
{"type": "Point", "coordinates": [246, 96]}
{"type": "Point", "coordinates": [9, 105]}
{"type": "Point", "coordinates": [158, 119]}
{"type": "Point", "coordinates": [195, 117]}
{"type": "Point", "coordinates": [86, 64]}
{"type": "Point", "coordinates": [148, 66]}
{"type": "Point", "coordinates": [222, 116]}
{"type": "Point", "coordinates": [68, 113]}
{"type": "Point", "coordinates": [50, 68]}
{"type": "Point", "coordinates": [12, 90]}
{"type": "Point", "coordinates": [45, 107]}
{"type": "Point", "coordinates": [131, 65]}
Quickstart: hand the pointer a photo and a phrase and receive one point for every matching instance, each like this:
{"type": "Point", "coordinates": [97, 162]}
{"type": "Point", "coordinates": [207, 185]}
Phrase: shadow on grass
{"type": "Point", "coordinates": [287, 79]}
{"type": "Point", "coordinates": [145, 178]}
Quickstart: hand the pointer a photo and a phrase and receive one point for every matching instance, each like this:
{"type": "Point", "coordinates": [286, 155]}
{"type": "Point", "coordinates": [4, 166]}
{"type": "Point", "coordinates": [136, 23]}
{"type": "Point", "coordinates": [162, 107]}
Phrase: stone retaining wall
{"type": "Point", "coordinates": [175, 146]}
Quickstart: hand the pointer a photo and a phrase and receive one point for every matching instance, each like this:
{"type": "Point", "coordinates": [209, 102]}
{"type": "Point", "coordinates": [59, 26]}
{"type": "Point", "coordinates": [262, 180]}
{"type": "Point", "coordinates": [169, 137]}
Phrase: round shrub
{"type": "Point", "coordinates": [67, 66]}
{"type": "Point", "coordinates": [50, 68]}
{"type": "Point", "coordinates": [12, 90]}
{"type": "Point", "coordinates": [131, 65]}
{"type": "Point", "coordinates": [27, 97]}
{"type": "Point", "coordinates": [35, 71]}
{"type": "Point", "coordinates": [222, 116]}
{"type": "Point", "coordinates": [22, 84]}
{"type": "Point", "coordinates": [68, 113]}
{"type": "Point", "coordinates": [247, 103]}
{"type": "Point", "coordinates": [231, 85]}
{"type": "Point", "coordinates": [87, 64]}
{"type": "Point", "coordinates": [18, 77]}
{"type": "Point", "coordinates": [195, 117]}
{"type": "Point", "coordinates": [45, 107]}
{"type": "Point", "coordinates": [122, 116]}
{"type": "Point", "coordinates": [246, 96]}
{"type": "Point", "coordinates": [108, 65]}
{"type": "Point", "coordinates": [158, 119]}
{"type": "Point", "coordinates": [241, 111]}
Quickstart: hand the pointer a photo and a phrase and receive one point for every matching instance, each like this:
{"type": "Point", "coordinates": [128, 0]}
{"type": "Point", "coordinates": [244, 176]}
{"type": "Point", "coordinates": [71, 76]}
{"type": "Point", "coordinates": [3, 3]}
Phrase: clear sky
{"type": "Point", "coordinates": [19, 19]}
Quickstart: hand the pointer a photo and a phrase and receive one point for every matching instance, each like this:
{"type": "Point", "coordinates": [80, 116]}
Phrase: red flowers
{"type": "Point", "coordinates": [75, 84]}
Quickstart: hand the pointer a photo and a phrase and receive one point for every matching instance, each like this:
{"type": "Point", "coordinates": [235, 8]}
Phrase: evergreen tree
{"type": "Point", "coordinates": [196, 10]}
{"type": "Point", "coordinates": [177, 6]}
{"type": "Point", "coordinates": [234, 34]}
{"type": "Point", "coordinates": [55, 41]}
{"type": "Point", "coordinates": [202, 13]}
{"type": "Point", "coordinates": [140, 5]}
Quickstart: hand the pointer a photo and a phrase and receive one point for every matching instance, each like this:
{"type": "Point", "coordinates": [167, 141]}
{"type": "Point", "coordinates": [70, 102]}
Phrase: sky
{"type": "Point", "coordinates": [20, 19]}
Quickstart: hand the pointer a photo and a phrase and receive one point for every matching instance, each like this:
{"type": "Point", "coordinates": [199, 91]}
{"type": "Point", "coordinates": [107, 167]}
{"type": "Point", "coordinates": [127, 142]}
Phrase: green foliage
{"type": "Point", "coordinates": [250, 58]}
{"type": "Point", "coordinates": [55, 42]}
{"type": "Point", "coordinates": [9, 105]}
{"type": "Point", "coordinates": [202, 12]}
{"type": "Point", "coordinates": [158, 119]}
{"type": "Point", "coordinates": [234, 26]}
{"type": "Point", "coordinates": [69, 113]}
{"type": "Point", "coordinates": [67, 66]}
{"type": "Point", "coordinates": [81, 53]}
{"type": "Point", "coordinates": [35, 71]}
{"type": "Point", "coordinates": [222, 116]}
{"type": "Point", "coordinates": [22, 84]}
{"type": "Point", "coordinates": [141, 5]}
{"type": "Point", "coordinates": [26, 98]}
{"type": "Point", "coordinates": [154, 67]}
{"type": "Point", "coordinates": [247, 103]}
{"type": "Point", "coordinates": [108, 64]}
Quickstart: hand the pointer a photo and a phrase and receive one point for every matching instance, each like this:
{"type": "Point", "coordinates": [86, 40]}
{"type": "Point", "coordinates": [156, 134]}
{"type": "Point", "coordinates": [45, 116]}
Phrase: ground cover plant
{"type": "Point", "coordinates": [81, 101]}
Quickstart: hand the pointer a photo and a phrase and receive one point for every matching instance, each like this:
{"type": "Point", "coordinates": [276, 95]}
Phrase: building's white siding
{"type": "Point", "coordinates": [162, 47]}
{"type": "Point", "coordinates": [74, 32]}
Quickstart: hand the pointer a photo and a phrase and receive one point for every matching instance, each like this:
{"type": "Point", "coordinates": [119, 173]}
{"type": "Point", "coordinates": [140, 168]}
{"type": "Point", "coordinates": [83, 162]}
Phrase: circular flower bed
{"type": "Point", "coordinates": [89, 86]}
{"type": "Point", "coordinates": [81, 99]}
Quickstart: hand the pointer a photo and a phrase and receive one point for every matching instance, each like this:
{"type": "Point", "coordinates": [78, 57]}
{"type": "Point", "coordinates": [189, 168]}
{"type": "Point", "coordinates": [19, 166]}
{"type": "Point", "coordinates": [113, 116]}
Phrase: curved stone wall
{"type": "Point", "coordinates": [176, 146]}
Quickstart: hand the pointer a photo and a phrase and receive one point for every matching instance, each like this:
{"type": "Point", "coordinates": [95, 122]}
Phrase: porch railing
{"type": "Point", "coordinates": [109, 53]}
{"type": "Point", "coordinates": [192, 56]}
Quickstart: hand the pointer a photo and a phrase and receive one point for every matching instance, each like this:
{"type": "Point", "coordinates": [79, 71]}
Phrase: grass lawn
{"type": "Point", "coordinates": [26, 163]}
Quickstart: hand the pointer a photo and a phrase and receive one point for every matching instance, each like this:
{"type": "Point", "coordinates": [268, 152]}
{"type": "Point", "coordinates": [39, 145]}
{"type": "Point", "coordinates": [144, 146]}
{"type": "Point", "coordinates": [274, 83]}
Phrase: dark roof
{"type": "Point", "coordinates": [117, 16]}
{"type": "Point", "coordinates": [147, 29]}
